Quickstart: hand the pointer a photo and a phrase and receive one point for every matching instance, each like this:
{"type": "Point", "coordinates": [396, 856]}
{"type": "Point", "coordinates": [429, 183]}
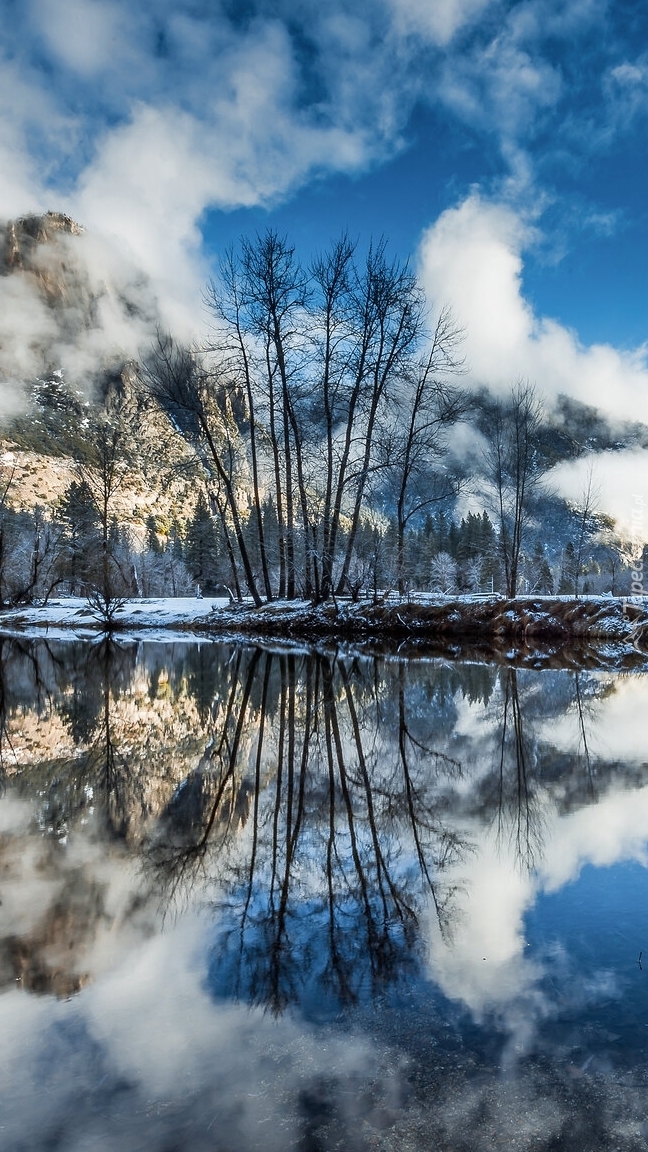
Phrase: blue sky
{"type": "Point", "coordinates": [500, 146]}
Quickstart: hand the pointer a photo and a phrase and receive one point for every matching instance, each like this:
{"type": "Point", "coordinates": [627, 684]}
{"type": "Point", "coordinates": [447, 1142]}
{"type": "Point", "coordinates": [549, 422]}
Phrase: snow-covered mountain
{"type": "Point", "coordinates": [68, 304]}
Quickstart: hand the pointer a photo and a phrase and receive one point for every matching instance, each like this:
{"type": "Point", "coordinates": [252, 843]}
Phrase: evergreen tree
{"type": "Point", "coordinates": [540, 576]}
{"type": "Point", "coordinates": [567, 582]}
{"type": "Point", "coordinates": [202, 549]}
{"type": "Point", "coordinates": [79, 519]}
{"type": "Point", "coordinates": [153, 542]}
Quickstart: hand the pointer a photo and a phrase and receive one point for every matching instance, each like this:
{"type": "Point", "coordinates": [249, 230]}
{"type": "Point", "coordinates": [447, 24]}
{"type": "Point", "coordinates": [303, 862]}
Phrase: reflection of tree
{"type": "Point", "coordinates": [447, 843]}
{"type": "Point", "coordinates": [582, 711]}
{"type": "Point", "coordinates": [5, 739]}
{"type": "Point", "coordinates": [320, 801]}
{"type": "Point", "coordinates": [23, 682]}
{"type": "Point", "coordinates": [516, 809]}
{"type": "Point", "coordinates": [321, 828]}
{"type": "Point", "coordinates": [204, 806]}
{"type": "Point", "coordinates": [525, 758]}
{"type": "Point", "coordinates": [47, 955]}
{"type": "Point", "coordinates": [100, 779]}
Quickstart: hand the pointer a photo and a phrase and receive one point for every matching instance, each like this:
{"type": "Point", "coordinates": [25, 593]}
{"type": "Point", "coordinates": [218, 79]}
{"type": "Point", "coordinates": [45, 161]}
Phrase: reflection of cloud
{"type": "Point", "coordinates": [615, 724]}
{"type": "Point", "coordinates": [601, 834]}
{"type": "Point", "coordinates": [484, 962]}
{"type": "Point", "coordinates": [146, 1058]}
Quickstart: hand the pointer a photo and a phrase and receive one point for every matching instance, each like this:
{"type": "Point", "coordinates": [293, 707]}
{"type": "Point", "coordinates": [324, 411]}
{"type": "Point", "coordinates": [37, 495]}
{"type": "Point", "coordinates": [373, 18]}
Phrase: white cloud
{"type": "Point", "coordinates": [84, 35]}
{"type": "Point", "coordinates": [627, 83]}
{"type": "Point", "coordinates": [618, 477]}
{"type": "Point", "coordinates": [500, 88]}
{"type": "Point", "coordinates": [24, 111]}
{"type": "Point", "coordinates": [154, 176]}
{"type": "Point", "coordinates": [472, 259]}
{"type": "Point", "coordinates": [439, 21]}
{"type": "Point", "coordinates": [183, 110]}
{"type": "Point", "coordinates": [80, 306]}
{"type": "Point", "coordinates": [27, 329]}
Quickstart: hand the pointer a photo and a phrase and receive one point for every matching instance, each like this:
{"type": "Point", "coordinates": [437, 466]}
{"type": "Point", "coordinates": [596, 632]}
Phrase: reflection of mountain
{"type": "Point", "coordinates": [94, 727]}
{"type": "Point", "coordinates": [328, 804]}
{"type": "Point", "coordinates": [328, 845]}
{"type": "Point", "coordinates": [316, 808]}
{"type": "Point", "coordinates": [95, 737]}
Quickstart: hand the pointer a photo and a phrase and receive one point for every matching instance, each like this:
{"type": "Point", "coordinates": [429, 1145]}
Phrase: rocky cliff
{"type": "Point", "coordinates": [68, 304]}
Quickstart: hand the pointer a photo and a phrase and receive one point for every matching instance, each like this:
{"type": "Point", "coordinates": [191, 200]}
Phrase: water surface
{"type": "Point", "coordinates": [255, 899]}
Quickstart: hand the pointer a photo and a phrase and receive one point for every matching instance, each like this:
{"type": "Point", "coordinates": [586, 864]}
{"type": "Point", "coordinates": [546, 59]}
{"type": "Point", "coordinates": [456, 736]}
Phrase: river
{"type": "Point", "coordinates": [257, 899]}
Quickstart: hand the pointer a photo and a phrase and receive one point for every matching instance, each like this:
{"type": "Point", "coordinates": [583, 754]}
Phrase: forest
{"type": "Point", "coordinates": [326, 441]}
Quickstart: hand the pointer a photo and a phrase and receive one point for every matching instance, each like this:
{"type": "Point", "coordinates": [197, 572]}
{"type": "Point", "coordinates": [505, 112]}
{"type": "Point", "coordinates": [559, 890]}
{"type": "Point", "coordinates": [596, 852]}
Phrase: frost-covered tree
{"type": "Point", "coordinates": [514, 468]}
{"type": "Point", "coordinates": [443, 573]}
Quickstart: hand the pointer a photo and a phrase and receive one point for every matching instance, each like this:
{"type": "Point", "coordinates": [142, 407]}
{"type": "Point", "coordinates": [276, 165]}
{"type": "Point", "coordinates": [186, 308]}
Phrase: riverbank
{"type": "Point", "coordinates": [594, 632]}
{"type": "Point", "coordinates": [519, 620]}
{"type": "Point", "coordinates": [535, 630]}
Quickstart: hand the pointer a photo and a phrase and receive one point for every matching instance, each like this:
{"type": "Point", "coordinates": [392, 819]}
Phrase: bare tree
{"type": "Point", "coordinates": [514, 468]}
{"type": "Point", "coordinates": [259, 304]}
{"type": "Point", "coordinates": [416, 440]}
{"type": "Point", "coordinates": [388, 324]}
{"type": "Point", "coordinates": [276, 292]}
{"type": "Point", "coordinates": [586, 523]}
{"type": "Point", "coordinates": [102, 467]}
{"type": "Point", "coordinates": [198, 402]}
{"type": "Point", "coordinates": [316, 354]}
{"type": "Point", "coordinates": [6, 480]}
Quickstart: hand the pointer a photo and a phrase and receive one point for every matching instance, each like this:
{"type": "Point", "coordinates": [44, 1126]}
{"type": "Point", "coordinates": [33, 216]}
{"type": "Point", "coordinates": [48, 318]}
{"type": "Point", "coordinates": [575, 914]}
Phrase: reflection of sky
{"type": "Point", "coordinates": [533, 961]}
{"type": "Point", "coordinates": [145, 1056]}
{"type": "Point", "coordinates": [488, 963]}
{"type": "Point", "coordinates": [616, 726]}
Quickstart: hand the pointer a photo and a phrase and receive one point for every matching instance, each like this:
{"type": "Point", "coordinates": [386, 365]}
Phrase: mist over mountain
{"type": "Point", "coordinates": [72, 305]}
{"type": "Point", "coordinates": [68, 304]}
{"type": "Point", "coordinates": [78, 326]}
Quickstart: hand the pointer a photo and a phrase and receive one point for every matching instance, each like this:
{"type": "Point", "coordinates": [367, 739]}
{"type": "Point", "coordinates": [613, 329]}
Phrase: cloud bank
{"type": "Point", "coordinates": [472, 258]}
{"type": "Point", "coordinates": [142, 120]}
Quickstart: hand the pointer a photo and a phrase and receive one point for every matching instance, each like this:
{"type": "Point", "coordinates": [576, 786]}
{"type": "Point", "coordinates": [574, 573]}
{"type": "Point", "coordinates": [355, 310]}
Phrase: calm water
{"type": "Point", "coordinates": [253, 900]}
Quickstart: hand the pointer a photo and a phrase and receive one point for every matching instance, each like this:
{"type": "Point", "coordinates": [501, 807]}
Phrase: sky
{"type": "Point", "coordinates": [498, 146]}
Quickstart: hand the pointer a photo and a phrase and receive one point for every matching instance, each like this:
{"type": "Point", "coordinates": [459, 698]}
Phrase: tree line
{"type": "Point", "coordinates": [318, 426]}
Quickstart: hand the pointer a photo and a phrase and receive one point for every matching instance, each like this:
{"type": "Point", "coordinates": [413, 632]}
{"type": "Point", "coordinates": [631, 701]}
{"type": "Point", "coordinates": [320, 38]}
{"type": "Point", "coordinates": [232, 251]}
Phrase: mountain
{"type": "Point", "coordinates": [75, 317]}
{"type": "Point", "coordinates": [69, 303]}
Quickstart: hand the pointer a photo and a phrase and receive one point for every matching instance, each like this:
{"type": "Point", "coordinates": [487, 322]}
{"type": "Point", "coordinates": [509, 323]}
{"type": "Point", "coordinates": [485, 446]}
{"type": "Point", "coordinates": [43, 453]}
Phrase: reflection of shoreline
{"type": "Point", "coordinates": [329, 802]}
{"type": "Point", "coordinates": [535, 631]}
{"type": "Point", "coordinates": [304, 795]}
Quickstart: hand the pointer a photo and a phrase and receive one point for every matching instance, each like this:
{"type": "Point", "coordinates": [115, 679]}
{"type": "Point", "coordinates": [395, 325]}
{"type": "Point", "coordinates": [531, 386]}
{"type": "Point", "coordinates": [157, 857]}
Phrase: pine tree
{"type": "Point", "coordinates": [567, 583]}
{"type": "Point", "coordinates": [153, 542]}
{"type": "Point", "coordinates": [79, 519]}
{"type": "Point", "coordinates": [202, 549]}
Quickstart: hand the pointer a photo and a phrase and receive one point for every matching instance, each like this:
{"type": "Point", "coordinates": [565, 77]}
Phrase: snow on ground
{"type": "Point", "coordinates": [66, 613]}
{"type": "Point", "coordinates": [493, 620]}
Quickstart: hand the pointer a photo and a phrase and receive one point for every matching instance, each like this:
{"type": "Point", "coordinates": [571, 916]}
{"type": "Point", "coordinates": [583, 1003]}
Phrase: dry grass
{"type": "Point", "coordinates": [526, 624]}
